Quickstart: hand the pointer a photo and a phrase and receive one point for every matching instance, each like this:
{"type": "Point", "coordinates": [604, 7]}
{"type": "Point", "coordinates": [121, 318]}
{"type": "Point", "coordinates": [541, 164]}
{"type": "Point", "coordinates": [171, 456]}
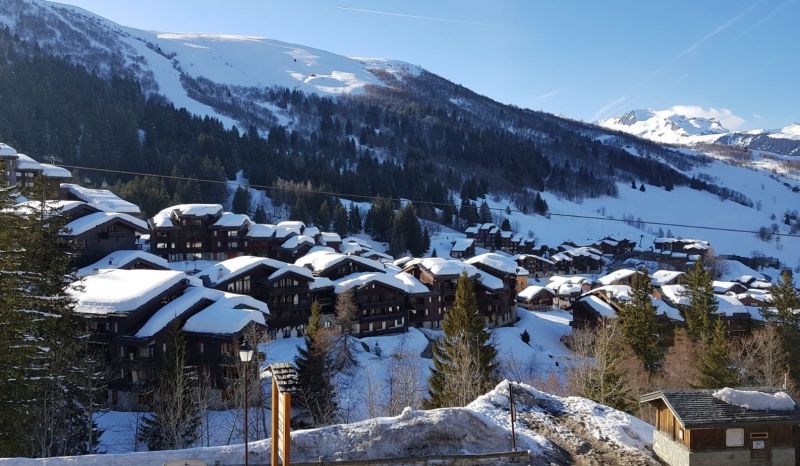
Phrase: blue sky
{"type": "Point", "coordinates": [588, 59]}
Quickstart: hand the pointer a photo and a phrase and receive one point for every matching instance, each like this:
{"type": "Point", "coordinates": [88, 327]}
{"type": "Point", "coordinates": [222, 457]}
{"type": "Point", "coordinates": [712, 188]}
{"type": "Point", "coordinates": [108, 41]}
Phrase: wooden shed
{"type": "Point", "coordinates": [696, 427]}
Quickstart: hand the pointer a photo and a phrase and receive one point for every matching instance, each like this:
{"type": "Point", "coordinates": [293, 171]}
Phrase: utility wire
{"type": "Point", "coordinates": [430, 203]}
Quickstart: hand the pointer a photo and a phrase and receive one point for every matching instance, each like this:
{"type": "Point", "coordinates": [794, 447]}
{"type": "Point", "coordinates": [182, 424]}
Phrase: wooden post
{"type": "Point", "coordinates": [513, 415]}
{"type": "Point", "coordinates": [274, 422]}
{"type": "Point", "coordinates": [246, 458]}
{"type": "Point", "coordinates": [287, 410]}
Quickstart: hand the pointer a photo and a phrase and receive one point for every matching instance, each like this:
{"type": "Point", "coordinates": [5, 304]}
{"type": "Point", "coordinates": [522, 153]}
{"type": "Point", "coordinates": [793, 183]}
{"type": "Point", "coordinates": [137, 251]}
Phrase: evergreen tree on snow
{"type": "Point", "coordinates": [639, 322]}
{"type": "Point", "coordinates": [464, 358]}
{"type": "Point", "coordinates": [702, 302]}
{"type": "Point", "coordinates": [241, 201]}
{"type": "Point", "coordinates": [315, 373]}
{"type": "Point", "coordinates": [786, 317]}
{"type": "Point", "coordinates": [715, 364]}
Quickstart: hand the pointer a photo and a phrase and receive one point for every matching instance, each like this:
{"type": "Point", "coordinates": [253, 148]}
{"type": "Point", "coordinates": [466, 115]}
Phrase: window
{"type": "Point", "coordinates": [734, 437]}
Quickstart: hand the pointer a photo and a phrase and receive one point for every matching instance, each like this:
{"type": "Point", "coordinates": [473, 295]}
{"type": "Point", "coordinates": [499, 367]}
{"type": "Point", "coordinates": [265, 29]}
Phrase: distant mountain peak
{"type": "Point", "coordinates": [670, 125]}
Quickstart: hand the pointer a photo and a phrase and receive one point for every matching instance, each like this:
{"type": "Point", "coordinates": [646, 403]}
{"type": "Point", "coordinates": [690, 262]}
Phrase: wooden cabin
{"type": "Point", "coordinates": [696, 427]}
{"type": "Point", "coordinates": [536, 298]}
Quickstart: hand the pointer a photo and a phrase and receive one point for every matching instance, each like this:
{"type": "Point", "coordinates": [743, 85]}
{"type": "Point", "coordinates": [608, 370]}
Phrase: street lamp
{"type": "Point", "coordinates": [245, 355]}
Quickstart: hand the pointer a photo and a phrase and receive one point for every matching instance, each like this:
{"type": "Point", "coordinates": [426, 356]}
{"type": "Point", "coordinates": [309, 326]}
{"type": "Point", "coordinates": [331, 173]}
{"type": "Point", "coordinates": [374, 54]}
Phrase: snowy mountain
{"type": "Point", "coordinates": [164, 62]}
{"type": "Point", "coordinates": [676, 125]}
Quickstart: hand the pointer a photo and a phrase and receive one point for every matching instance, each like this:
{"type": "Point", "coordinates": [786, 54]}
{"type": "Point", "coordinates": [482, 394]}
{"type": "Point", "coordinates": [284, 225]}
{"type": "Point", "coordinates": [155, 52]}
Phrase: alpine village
{"type": "Point", "coordinates": [374, 267]}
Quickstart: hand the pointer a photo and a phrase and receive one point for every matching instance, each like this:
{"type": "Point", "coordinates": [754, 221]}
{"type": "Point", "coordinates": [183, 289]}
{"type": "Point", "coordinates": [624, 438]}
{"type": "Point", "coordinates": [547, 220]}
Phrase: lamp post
{"type": "Point", "coordinates": [245, 355]}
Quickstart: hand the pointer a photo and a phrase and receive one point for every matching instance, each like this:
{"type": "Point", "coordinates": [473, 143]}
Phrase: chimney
{"type": "Point", "coordinates": [95, 271]}
{"type": "Point", "coordinates": [219, 273]}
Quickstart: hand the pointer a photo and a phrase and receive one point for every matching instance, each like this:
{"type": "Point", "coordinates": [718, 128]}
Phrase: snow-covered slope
{"type": "Point", "coordinates": [683, 124]}
{"type": "Point", "coordinates": [556, 431]}
{"type": "Point", "coordinates": [162, 61]}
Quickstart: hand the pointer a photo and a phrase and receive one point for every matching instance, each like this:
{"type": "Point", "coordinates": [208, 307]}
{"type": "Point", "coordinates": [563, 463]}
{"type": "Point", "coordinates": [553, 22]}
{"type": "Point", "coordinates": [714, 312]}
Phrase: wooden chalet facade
{"type": "Point", "coordinates": [695, 427]}
{"type": "Point", "coordinates": [537, 266]}
{"type": "Point", "coordinates": [96, 235]}
{"type": "Point", "coordinates": [536, 298]}
{"type": "Point", "coordinates": [197, 231]}
{"type": "Point", "coordinates": [131, 327]}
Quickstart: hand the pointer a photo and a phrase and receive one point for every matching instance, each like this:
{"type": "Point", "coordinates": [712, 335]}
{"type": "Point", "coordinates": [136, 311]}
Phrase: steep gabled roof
{"type": "Point", "coordinates": [701, 409]}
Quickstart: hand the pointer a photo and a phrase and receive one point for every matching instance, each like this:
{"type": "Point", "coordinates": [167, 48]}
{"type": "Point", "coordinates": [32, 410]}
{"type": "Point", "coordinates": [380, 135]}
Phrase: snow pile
{"type": "Point", "coordinates": [544, 423]}
{"type": "Point", "coordinates": [759, 401]}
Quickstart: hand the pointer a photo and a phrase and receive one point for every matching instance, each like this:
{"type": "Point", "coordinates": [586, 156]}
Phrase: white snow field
{"type": "Point", "coordinates": [547, 426]}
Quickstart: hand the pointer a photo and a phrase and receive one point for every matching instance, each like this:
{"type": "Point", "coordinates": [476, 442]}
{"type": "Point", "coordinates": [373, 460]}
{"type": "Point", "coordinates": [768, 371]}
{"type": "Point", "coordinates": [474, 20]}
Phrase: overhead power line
{"type": "Point", "coordinates": [430, 203]}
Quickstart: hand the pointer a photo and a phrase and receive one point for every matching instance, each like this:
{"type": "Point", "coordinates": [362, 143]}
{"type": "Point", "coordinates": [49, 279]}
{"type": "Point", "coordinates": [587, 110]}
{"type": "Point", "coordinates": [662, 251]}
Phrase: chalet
{"type": "Point", "coordinates": [67, 210]}
{"type": "Point", "coordinates": [619, 277]}
{"type": "Point", "coordinates": [96, 235]}
{"type": "Point", "coordinates": [568, 289]}
{"type": "Point", "coordinates": [604, 303]}
{"type": "Point", "coordinates": [572, 260]}
{"type": "Point", "coordinates": [666, 277]}
{"type": "Point", "coordinates": [8, 158]}
{"type": "Point", "coordinates": [286, 288]}
{"type": "Point", "coordinates": [613, 247]}
{"type": "Point", "coordinates": [126, 260]}
{"type": "Point", "coordinates": [330, 239]}
{"type": "Point", "coordinates": [462, 248]}
{"type": "Point", "coordinates": [440, 276]}
{"type": "Point", "coordinates": [382, 299]}
{"type": "Point", "coordinates": [260, 241]}
{"type": "Point", "coordinates": [536, 298]}
{"type": "Point", "coordinates": [197, 231]}
{"type": "Point", "coordinates": [101, 199]}
{"type": "Point", "coordinates": [739, 318]}
{"type": "Point", "coordinates": [294, 247]}
{"type": "Point", "coordinates": [726, 426]}
{"type": "Point", "coordinates": [334, 265]}
{"type": "Point", "coordinates": [537, 266]}
{"type": "Point", "coordinates": [513, 277]}
{"type": "Point", "coordinates": [721, 287]}
{"type": "Point", "coordinates": [752, 282]}
{"type": "Point", "coordinates": [377, 256]}
{"type": "Point", "coordinates": [129, 312]}
{"type": "Point", "coordinates": [681, 253]}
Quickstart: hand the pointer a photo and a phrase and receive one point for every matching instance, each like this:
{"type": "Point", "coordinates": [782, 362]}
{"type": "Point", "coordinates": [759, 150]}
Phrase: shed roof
{"type": "Point", "coordinates": [701, 409]}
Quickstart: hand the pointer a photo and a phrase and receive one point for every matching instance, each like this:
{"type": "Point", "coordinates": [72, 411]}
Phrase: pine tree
{"type": "Point", "coordinates": [44, 392]}
{"type": "Point", "coordinates": [464, 358]}
{"type": "Point", "coordinates": [346, 317]}
{"type": "Point", "coordinates": [340, 221]}
{"type": "Point", "coordinates": [317, 391]}
{"type": "Point", "coordinates": [260, 215]}
{"type": "Point", "coordinates": [485, 213]}
{"type": "Point", "coordinates": [786, 318]}
{"type": "Point", "coordinates": [354, 219]}
{"type": "Point", "coordinates": [702, 302]}
{"type": "Point", "coordinates": [241, 201]}
{"type": "Point", "coordinates": [426, 240]}
{"type": "Point", "coordinates": [506, 225]}
{"type": "Point", "coordinates": [715, 365]}
{"type": "Point", "coordinates": [175, 420]}
{"type": "Point", "coordinates": [638, 319]}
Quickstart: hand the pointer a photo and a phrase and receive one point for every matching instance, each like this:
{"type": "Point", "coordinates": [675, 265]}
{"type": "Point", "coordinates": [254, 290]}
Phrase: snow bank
{"type": "Point", "coordinates": [755, 400]}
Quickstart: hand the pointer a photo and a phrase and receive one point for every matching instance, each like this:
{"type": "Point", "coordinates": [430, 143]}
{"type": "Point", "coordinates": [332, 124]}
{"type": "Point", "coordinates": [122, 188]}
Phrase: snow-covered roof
{"type": "Point", "coordinates": [53, 171]}
{"type": "Point", "coordinates": [462, 244]}
{"type": "Point", "coordinates": [538, 258]}
{"type": "Point", "coordinates": [120, 291]}
{"type": "Point", "coordinates": [227, 269]}
{"type": "Point", "coordinates": [291, 268]}
{"type": "Point", "coordinates": [295, 241]}
{"type": "Point", "coordinates": [675, 294]}
{"type": "Point", "coordinates": [729, 305]}
{"type": "Point", "coordinates": [378, 256]}
{"type": "Point", "coordinates": [361, 279]}
{"type": "Point", "coordinates": [616, 276]}
{"type": "Point", "coordinates": [119, 259]}
{"type": "Point", "coordinates": [495, 261]}
{"type": "Point", "coordinates": [664, 309]}
{"type": "Point", "coordinates": [331, 237]}
{"type": "Point", "coordinates": [102, 199]}
{"type": "Point", "coordinates": [472, 229]}
{"type": "Point", "coordinates": [83, 224]}
{"type": "Point", "coordinates": [231, 220]}
{"type": "Point", "coordinates": [25, 162]}
{"type": "Point", "coordinates": [7, 152]}
{"type": "Point", "coordinates": [664, 277]}
{"type": "Point", "coordinates": [311, 231]}
{"type": "Point", "coordinates": [443, 267]}
{"type": "Point", "coordinates": [175, 308]}
{"type": "Point", "coordinates": [533, 290]}
{"type": "Point", "coordinates": [615, 292]}
{"type": "Point", "coordinates": [260, 230]}
{"type": "Point", "coordinates": [401, 262]}
{"type": "Point", "coordinates": [724, 287]}
{"type": "Point", "coordinates": [322, 260]}
{"type": "Point", "coordinates": [600, 306]}
{"type": "Point", "coordinates": [555, 282]}
{"type": "Point", "coordinates": [349, 247]}
{"type": "Point", "coordinates": [282, 231]}
{"type": "Point", "coordinates": [223, 317]}
{"type": "Point", "coordinates": [163, 219]}
{"type": "Point", "coordinates": [490, 281]}
{"type": "Point", "coordinates": [293, 224]}
{"type": "Point", "coordinates": [413, 286]}
{"type": "Point", "coordinates": [60, 206]}
{"type": "Point", "coordinates": [755, 400]}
